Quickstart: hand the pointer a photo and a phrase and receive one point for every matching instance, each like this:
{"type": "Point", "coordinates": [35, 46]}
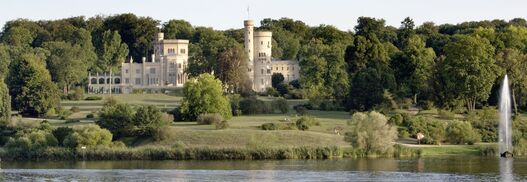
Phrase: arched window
{"type": "Point", "coordinates": [117, 81]}
{"type": "Point", "coordinates": [101, 80]}
{"type": "Point", "coordinates": [93, 81]}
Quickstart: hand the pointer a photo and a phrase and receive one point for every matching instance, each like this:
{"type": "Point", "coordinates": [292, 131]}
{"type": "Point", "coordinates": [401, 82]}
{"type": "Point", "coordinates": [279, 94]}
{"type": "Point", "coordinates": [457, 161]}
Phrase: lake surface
{"type": "Point", "coordinates": [459, 168]}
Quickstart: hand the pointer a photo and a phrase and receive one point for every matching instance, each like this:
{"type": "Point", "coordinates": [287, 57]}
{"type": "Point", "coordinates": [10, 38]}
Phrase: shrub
{"type": "Point", "coordinates": [270, 91]}
{"type": "Point", "coordinates": [164, 133]}
{"type": "Point", "coordinates": [118, 119]}
{"type": "Point", "coordinates": [300, 110]}
{"type": "Point", "coordinates": [75, 109]}
{"type": "Point", "coordinates": [446, 114]}
{"type": "Point", "coordinates": [178, 116]}
{"type": "Point", "coordinates": [461, 132]}
{"type": "Point", "coordinates": [278, 126]}
{"type": "Point", "coordinates": [426, 104]}
{"type": "Point", "coordinates": [305, 122]}
{"type": "Point", "coordinates": [61, 133]}
{"type": "Point", "coordinates": [396, 119]}
{"type": "Point", "coordinates": [147, 119]}
{"type": "Point", "coordinates": [93, 98]}
{"type": "Point", "coordinates": [252, 105]}
{"type": "Point", "coordinates": [88, 135]}
{"type": "Point", "coordinates": [486, 122]}
{"type": "Point", "coordinates": [110, 101]}
{"type": "Point", "coordinates": [209, 119]}
{"type": "Point", "coordinates": [222, 125]}
{"type": "Point", "coordinates": [77, 94]}
{"type": "Point", "coordinates": [281, 105]}
{"type": "Point", "coordinates": [72, 121]}
{"type": "Point", "coordinates": [91, 115]}
{"type": "Point", "coordinates": [64, 114]}
{"type": "Point", "coordinates": [370, 133]}
{"type": "Point", "coordinates": [235, 104]}
{"type": "Point", "coordinates": [297, 94]}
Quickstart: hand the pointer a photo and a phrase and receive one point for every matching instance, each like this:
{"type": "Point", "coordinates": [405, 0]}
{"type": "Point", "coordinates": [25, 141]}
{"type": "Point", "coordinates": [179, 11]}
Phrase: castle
{"type": "Point", "coordinates": [167, 66]}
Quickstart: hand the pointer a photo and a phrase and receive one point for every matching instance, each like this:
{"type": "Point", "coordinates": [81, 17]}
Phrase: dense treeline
{"type": "Point", "coordinates": [375, 66]}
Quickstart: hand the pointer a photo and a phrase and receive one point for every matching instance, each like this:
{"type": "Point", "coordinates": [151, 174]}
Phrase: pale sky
{"type": "Point", "coordinates": [225, 14]}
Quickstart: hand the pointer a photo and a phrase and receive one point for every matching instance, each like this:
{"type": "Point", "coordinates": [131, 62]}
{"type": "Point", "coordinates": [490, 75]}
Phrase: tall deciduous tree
{"type": "Point", "coordinates": [232, 68]}
{"type": "Point", "coordinates": [179, 29]}
{"type": "Point", "coordinates": [514, 62]}
{"type": "Point", "coordinates": [5, 103]}
{"type": "Point", "coordinates": [31, 87]}
{"type": "Point", "coordinates": [5, 60]}
{"type": "Point", "coordinates": [413, 67]}
{"type": "Point", "coordinates": [66, 64]}
{"type": "Point", "coordinates": [468, 70]}
{"type": "Point", "coordinates": [204, 94]}
{"type": "Point", "coordinates": [113, 52]}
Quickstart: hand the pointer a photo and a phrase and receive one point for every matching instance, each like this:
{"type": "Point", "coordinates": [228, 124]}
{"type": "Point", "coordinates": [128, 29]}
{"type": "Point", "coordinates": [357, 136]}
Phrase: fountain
{"type": "Point", "coordinates": [505, 131]}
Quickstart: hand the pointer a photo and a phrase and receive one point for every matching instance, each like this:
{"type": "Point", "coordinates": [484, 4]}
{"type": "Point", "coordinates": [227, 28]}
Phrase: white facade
{"type": "Point", "coordinates": [165, 70]}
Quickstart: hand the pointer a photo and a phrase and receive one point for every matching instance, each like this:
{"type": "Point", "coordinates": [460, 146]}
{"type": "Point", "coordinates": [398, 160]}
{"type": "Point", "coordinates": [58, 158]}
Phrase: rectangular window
{"type": "Point", "coordinates": [152, 71]}
{"type": "Point", "coordinates": [138, 81]}
{"type": "Point", "coordinates": [126, 71]}
{"type": "Point", "coordinates": [127, 80]}
{"type": "Point", "coordinates": [262, 71]}
{"type": "Point", "coordinates": [182, 51]}
{"type": "Point", "coordinates": [268, 71]}
{"type": "Point", "coordinates": [282, 68]}
{"type": "Point", "coordinates": [288, 68]}
{"type": "Point", "coordinates": [172, 65]}
{"type": "Point", "coordinates": [179, 65]}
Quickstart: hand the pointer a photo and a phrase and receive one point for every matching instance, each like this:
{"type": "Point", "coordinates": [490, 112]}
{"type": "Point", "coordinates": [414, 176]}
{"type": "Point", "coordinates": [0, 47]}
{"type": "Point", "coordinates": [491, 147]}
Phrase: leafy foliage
{"type": "Point", "coordinates": [371, 133]}
{"type": "Point", "coordinates": [204, 94]}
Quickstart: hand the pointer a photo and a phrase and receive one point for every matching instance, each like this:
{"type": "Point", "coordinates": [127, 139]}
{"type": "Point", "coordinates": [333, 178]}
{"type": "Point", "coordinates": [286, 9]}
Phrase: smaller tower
{"type": "Point", "coordinates": [249, 47]}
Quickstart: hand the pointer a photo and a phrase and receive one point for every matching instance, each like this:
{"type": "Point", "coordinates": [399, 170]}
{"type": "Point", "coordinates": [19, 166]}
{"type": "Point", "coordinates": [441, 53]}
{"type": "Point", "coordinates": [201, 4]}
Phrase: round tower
{"type": "Point", "coordinates": [262, 60]}
{"type": "Point", "coordinates": [249, 26]}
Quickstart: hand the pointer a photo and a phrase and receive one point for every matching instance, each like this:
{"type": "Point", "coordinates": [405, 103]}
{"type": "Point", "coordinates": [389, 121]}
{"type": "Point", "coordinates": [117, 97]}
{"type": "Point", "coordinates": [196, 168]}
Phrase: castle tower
{"type": "Point", "coordinates": [249, 26]}
{"type": "Point", "coordinates": [262, 60]}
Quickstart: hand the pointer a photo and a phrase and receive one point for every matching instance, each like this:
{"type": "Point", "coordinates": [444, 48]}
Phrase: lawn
{"type": "Point", "coordinates": [244, 131]}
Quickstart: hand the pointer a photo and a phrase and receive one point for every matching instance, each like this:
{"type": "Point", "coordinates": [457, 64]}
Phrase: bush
{"type": "Point", "coordinates": [486, 122]}
{"type": "Point", "coordinates": [371, 134]}
{"type": "Point", "coordinates": [281, 105]}
{"type": "Point", "coordinates": [118, 119]}
{"type": "Point", "coordinates": [235, 104]}
{"type": "Point", "coordinates": [252, 105]}
{"type": "Point", "coordinates": [209, 118]}
{"type": "Point", "coordinates": [222, 125]}
{"type": "Point", "coordinates": [300, 110]}
{"type": "Point", "coordinates": [77, 94]}
{"type": "Point", "coordinates": [93, 98]}
{"type": "Point", "coordinates": [64, 114]}
{"type": "Point", "coordinates": [446, 114]}
{"type": "Point", "coordinates": [296, 94]}
{"type": "Point", "coordinates": [461, 132]}
{"type": "Point", "coordinates": [88, 135]}
{"type": "Point", "coordinates": [426, 104]}
{"type": "Point", "coordinates": [305, 122]}
{"type": "Point", "coordinates": [164, 133]}
{"type": "Point", "coordinates": [178, 116]}
{"type": "Point", "coordinates": [91, 115]}
{"type": "Point", "coordinates": [75, 109]}
{"type": "Point", "coordinates": [270, 91]}
{"type": "Point", "coordinates": [72, 121]}
{"type": "Point", "coordinates": [278, 126]}
{"type": "Point", "coordinates": [61, 133]}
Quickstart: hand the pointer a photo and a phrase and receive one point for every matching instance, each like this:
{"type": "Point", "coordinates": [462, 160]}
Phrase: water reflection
{"type": "Point", "coordinates": [423, 169]}
{"type": "Point", "coordinates": [506, 173]}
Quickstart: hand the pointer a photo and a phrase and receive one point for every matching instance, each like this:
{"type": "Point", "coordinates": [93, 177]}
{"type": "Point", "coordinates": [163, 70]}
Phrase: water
{"type": "Point", "coordinates": [455, 168]}
{"type": "Point", "coordinates": [505, 133]}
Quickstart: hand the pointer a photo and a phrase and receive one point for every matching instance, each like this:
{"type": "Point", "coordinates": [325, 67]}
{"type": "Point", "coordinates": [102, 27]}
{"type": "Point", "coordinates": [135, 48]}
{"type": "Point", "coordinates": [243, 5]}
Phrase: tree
{"type": "Point", "coordinates": [232, 68]}
{"type": "Point", "coordinates": [31, 87]}
{"type": "Point", "coordinates": [405, 31]}
{"type": "Point", "coordinates": [323, 72]}
{"type": "Point", "coordinates": [179, 29]}
{"type": "Point", "coordinates": [5, 104]}
{"type": "Point", "coordinates": [276, 79]}
{"type": "Point", "coordinates": [148, 119]}
{"type": "Point", "coordinates": [413, 67]}
{"type": "Point", "coordinates": [112, 54]}
{"type": "Point", "coordinates": [514, 62]}
{"type": "Point", "coordinates": [136, 32]}
{"type": "Point", "coordinates": [204, 94]}
{"type": "Point", "coordinates": [5, 60]}
{"type": "Point", "coordinates": [118, 118]}
{"type": "Point", "coordinates": [368, 88]}
{"type": "Point", "coordinates": [66, 64]}
{"type": "Point", "coordinates": [370, 133]}
{"type": "Point", "coordinates": [468, 70]}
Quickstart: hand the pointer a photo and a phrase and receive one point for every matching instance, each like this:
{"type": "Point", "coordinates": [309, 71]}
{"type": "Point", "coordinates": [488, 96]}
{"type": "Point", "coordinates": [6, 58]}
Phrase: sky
{"type": "Point", "coordinates": [226, 14]}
